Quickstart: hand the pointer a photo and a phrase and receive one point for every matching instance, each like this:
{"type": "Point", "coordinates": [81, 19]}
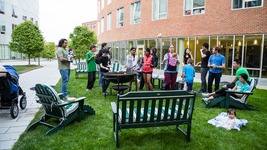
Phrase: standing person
{"type": "Point", "coordinates": [131, 60]}
{"type": "Point", "coordinates": [104, 69]}
{"type": "Point", "coordinates": [170, 70]}
{"type": "Point", "coordinates": [147, 69]}
{"type": "Point", "coordinates": [155, 57]}
{"type": "Point", "coordinates": [237, 65]}
{"type": "Point", "coordinates": [205, 55]}
{"type": "Point", "coordinates": [63, 66]}
{"type": "Point", "coordinates": [216, 64]}
{"type": "Point", "coordinates": [187, 55]}
{"type": "Point", "coordinates": [99, 54]}
{"type": "Point", "coordinates": [189, 74]}
{"type": "Point", "coordinates": [91, 67]}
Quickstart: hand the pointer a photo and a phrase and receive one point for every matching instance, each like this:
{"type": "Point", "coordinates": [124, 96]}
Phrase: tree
{"type": "Point", "coordinates": [49, 50]}
{"type": "Point", "coordinates": [26, 38]}
{"type": "Point", "coordinates": [81, 39]}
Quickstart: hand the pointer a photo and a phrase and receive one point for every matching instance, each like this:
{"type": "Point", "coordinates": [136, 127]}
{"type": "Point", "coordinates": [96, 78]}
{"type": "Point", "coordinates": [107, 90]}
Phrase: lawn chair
{"type": "Point", "coordinates": [55, 107]}
{"type": "Point", "coordinates": [241, 103]}
{"type": "Point", "coordinates": [116, 67]}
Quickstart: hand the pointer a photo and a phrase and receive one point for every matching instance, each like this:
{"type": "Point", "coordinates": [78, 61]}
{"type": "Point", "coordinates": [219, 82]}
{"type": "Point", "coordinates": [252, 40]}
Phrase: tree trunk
{"type": "Point", "coordinates": [29, 57]}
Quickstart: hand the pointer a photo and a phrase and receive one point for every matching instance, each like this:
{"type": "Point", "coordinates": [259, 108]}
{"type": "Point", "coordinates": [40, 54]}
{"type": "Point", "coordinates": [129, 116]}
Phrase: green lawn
{"type": "Point", "coordinates": [25, 68]}
{"type": "Point", "coordinates": [95, 132]}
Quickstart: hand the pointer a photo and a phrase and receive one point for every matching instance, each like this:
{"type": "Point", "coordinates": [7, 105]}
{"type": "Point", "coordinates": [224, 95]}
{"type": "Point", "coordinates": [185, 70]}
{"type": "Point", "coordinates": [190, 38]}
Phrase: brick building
{"type": "Point", "coordinates": [91, 25]}
{"type": "Point", "coordinates": [239, 27]}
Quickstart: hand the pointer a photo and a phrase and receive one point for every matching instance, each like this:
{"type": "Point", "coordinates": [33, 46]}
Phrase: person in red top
{"type": "Point", "coordinates": [147, 69]}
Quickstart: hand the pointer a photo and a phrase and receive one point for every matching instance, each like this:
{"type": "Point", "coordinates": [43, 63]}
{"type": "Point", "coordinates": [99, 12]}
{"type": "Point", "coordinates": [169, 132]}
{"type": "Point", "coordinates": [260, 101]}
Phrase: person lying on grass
{"type": "Point", "coordinates": [240, 86]}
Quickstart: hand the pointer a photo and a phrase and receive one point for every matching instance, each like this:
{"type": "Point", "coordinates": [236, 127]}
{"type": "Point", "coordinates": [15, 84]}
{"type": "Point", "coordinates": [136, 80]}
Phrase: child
{"type": "Point", "coordinates": [230, 123]}
{"type": "Point", "coordinates": [189, 74]}
{"type": "Point", "coordinates": [103, 61]}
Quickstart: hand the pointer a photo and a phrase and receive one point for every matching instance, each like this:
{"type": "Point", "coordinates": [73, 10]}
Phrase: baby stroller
{"type": "Point", "coordinates": [10, 91]}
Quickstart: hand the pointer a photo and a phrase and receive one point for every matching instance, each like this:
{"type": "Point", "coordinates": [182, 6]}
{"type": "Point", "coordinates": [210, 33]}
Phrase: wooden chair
{"type": "Point", "coordinates": [241, 103]}
{"type": "Point", "coordinates": [81, 69]}
{"type": "Point", "coordinates": [55, 107]}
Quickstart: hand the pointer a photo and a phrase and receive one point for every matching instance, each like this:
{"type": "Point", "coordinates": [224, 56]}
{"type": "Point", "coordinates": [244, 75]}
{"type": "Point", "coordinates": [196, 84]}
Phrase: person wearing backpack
{"type": "Point", "coordinates": [170, 70]}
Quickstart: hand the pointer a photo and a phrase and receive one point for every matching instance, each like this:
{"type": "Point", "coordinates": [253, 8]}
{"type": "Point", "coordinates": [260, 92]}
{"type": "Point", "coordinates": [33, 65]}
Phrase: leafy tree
{"type": "Point", "coordinates": [49, 50]}
{"type": "Point", "coordinates": [81, 39]}
{"type": "Point", "coordinates": [26, 38]}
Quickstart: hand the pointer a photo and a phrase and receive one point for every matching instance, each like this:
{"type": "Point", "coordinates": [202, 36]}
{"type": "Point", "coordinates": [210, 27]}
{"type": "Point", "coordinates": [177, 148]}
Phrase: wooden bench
{"type": "Point", "coordinates": [81, 69]}
{"type": "Point", "coordinates": [147, 109]}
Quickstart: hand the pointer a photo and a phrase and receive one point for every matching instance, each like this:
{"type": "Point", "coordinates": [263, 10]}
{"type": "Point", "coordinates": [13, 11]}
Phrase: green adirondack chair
{"type": "Point", "coordinates": [55, 107]}
{"type": "Point", "coordinates": [241, 103]}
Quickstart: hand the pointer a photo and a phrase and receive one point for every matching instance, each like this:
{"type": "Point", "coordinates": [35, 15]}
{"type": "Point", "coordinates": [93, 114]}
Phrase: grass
{"type": "Point", "coordinates": [25, 68]}
{"type": "Point", "coordinates": [95, 132]}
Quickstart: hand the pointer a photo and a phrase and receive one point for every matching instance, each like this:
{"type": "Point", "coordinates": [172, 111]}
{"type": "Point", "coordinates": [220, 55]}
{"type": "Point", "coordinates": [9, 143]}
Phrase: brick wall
{"type": "Point", "coordinates": [219, 19]}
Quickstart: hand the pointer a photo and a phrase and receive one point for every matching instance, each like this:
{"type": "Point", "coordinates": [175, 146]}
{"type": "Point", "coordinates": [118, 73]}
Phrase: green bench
{"type": "Point", "coordinates": [148, 109]}
{"type": "Point", "coordinates": [81, 69]}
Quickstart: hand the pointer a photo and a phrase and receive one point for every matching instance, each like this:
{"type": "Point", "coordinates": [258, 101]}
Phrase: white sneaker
{"type": "Point", "coordinates": [206, 100]}
{"type": "Point", "coordinates": [71, 99]}
{"type": "Point", "coordinates": [205, 94]}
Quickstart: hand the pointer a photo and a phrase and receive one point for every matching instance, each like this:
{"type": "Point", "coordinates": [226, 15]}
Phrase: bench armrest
{"type": "Point", "coordinates": [70, 102]}
{"type": "Point", "coordinates": [114, 107]}
{"type": "Point", "coordinates": [235, 92]}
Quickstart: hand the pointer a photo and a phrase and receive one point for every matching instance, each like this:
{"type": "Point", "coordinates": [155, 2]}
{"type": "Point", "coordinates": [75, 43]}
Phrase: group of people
{"type": "Point", "coordinates": [213, 63]}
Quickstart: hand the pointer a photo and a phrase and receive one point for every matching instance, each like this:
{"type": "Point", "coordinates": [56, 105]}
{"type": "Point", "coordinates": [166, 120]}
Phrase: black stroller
{"type": "Point", "coordinates": [10, 91]}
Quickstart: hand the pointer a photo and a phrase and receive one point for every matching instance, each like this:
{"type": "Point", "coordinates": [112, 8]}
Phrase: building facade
{"type": "Point", "coordinates": [12, 13]}
{"type": "Point", "coordinates": [239, 27]}
{"type": "Point", "coordinates": [91, 25]}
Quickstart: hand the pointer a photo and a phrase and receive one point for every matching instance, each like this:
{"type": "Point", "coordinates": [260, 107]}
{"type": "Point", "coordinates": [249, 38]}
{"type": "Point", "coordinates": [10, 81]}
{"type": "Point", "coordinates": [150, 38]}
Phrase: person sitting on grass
{"type": "Point", "coordinates": [189, 74]}
{"type": "Point", "coordinates": [240, 86]}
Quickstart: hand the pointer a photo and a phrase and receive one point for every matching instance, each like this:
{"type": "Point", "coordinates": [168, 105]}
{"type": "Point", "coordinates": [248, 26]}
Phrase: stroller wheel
{"type": "Point", "coordinates": [23, 102]}
{"type": "Point", "coordinates": [14, 111]}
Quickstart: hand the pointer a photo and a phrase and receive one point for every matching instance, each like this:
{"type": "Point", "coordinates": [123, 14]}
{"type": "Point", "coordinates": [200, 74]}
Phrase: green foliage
{"type": "Point", "coordinates": [49, 50]}
{"type": "Point", "coordinates": [96, 133]}
{"type": "Point", "coordinates": [81, 39]}
{"type": "Point", "coordinates": [26, 38]}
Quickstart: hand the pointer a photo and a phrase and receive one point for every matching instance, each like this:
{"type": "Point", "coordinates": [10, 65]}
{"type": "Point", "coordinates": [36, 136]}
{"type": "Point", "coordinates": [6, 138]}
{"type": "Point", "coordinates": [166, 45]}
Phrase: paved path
{"type": "Point", "coordinates": [11, 129]}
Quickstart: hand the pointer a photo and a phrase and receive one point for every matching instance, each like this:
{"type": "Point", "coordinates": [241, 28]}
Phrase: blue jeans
{"type": "Point", "coordinates": [100, 78]}
{"type": "Point", "coordinates": [65, 75]}
{"type": "Point", "coordinates": [189, 86]}
{"type": "Point", "coordinates": [105, 83]}
{"type": "Point", "coordinates": [203, 74]}
{"type": "Point", "coordinates": [212, 76]}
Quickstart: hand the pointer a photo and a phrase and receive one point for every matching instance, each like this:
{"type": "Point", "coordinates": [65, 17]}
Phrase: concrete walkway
{"type": "Point", "coordinates": [11, 129]}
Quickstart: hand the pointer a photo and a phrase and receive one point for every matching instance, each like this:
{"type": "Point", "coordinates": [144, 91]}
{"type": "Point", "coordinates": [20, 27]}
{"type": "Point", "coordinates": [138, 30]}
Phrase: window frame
{"type": "Point", "coordinates": [159, 14]}
{"type": "Point", "coordinates": [133, 13]}
{"type": "Point", "coordinates": [2, 26]}
{"type": "Point", "coordinates": [2, 7]}
{"type": "Point", "coordinates": [191, 11]}
{"type": "Point", "coordinates": [120, 23]}
{"type": "Point", "coordinates": [102, 23]}
{"type": "Point", "coordinates": [109, 21]}
{"type": "Point", "coordinates": [243, 5]}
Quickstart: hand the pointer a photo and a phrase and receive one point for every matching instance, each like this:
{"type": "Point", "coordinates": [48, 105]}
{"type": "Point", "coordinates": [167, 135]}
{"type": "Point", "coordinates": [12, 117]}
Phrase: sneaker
{"type": "Point", "coordinates": [87, 90]}
{"type": "Point", "coordinates": [206, 100]}
{"type": "Point", "coordinates": [71, 99]}
{"type": "Point", "coordinates": [105, 93]}
{"type": "Point", "coordinates": [205, 94]}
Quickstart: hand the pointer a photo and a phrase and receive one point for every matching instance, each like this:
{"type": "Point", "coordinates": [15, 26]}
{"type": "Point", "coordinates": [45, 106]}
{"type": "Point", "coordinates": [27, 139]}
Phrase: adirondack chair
{"type": "Point", "coordinates": [116, 67]}
{"type": "Point", "coordinates": [241, 103]}
{"type": "Point", "coordinates": [55, 107]}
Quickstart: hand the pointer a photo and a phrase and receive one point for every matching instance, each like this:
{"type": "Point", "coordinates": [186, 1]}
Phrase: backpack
{"type": "Point", "coordinates": [97, 61]}
{"type": "Point", "coordinates": [172, 63]}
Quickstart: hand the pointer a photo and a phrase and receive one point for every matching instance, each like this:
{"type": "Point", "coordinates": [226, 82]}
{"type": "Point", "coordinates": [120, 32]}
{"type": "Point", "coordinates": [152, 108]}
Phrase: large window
{"type": "Point", "coordinates": [120, 17]}
{"type": "Point", "coordinates": [14, 13]}
{"type": "Point", "coordinates": [2, 29]}
{"type": "Point", "coordinates": [136, 12]}
{"type": "Point", "coordinates": [102, 25]}
{"type": "Point", "coordinates": [109, 21]}
{"type": "Point", "coordinates": [2, 7]}
{"type": "Point", "coordinates": [160, 9]}
{"type": "Point", "coordinates": [194, 7]}
{"type": "Point", "coordinates": [237, 4]}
